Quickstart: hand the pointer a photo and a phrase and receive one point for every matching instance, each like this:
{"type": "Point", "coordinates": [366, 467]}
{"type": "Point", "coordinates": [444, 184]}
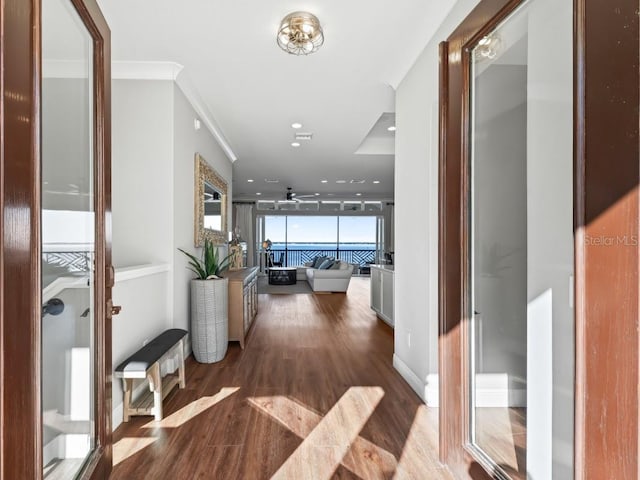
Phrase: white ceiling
{"type": "Point", "coordinates": [256, 91]}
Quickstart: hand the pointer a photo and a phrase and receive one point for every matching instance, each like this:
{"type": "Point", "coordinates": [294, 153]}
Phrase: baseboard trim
{"type": "Point", "coordinates": [492, 389]}
{"type": "Point", "coordinates": [52, 450]}
{"type": "Point", "coordinates": [410, 377]}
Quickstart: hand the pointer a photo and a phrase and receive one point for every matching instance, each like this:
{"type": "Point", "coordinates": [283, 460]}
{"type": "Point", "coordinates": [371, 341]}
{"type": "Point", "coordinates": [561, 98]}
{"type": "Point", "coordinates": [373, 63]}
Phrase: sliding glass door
{"type": "Point", "coordinates": [298, 238]}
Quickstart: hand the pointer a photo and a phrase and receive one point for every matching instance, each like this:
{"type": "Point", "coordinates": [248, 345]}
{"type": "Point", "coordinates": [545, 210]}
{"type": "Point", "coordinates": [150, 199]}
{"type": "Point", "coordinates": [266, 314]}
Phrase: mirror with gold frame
{"type": "Point", "coordinates": [210, 204]}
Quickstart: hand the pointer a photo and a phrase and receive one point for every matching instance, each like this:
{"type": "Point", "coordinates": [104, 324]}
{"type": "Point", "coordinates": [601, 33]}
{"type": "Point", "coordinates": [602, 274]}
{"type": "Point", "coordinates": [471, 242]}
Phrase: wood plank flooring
{"type": "Point", "coordinates": [313, 396]}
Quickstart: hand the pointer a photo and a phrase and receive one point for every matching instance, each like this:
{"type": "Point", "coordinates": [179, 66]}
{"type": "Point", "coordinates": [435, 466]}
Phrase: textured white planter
{"type": "Point", "coordinates": [209, 319]}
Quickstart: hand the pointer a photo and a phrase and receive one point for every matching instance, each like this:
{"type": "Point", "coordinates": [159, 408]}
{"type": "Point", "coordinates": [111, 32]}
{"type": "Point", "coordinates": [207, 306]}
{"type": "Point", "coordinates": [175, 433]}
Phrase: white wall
{"type": "Point", "coordinates": [416, 215]}
{"type": "Point", "coordinates": [66, 166]}
{"type": "Point", "coordinates": [142, 171]}
{"type": "Point", "coordinates": [144, 316]}
{"type": "Point", "coordinates": [154, 145]}
{"type": "Point", "coordinates": [188, 141]}
{"type": "Point", "coordinates": [500, 228]}
{"type": "Point", "coordinates": [550, 335]}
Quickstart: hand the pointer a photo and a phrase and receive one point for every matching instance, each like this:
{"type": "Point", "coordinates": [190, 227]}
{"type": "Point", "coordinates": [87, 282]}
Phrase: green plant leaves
{"type": "Point", "coordinates": [210, 265]}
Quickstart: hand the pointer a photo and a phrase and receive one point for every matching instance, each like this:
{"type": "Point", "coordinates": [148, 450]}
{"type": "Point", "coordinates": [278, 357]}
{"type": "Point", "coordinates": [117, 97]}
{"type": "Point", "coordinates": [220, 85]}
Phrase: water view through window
{"type": "Point", "coordinates": [300, 238]}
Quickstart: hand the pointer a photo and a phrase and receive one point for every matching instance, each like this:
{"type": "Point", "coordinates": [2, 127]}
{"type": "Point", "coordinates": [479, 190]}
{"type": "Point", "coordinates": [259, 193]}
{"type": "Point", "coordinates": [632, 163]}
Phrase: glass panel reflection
{"type": "Point", "coordinates": [522, 243]}
{"type": "Point", "coordinates": [68, 226]}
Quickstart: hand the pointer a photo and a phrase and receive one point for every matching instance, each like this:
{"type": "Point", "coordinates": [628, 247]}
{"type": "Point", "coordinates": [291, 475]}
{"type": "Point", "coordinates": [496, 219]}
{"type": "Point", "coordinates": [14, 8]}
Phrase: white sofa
{"type": "Point", "coordinates": [332, 280]}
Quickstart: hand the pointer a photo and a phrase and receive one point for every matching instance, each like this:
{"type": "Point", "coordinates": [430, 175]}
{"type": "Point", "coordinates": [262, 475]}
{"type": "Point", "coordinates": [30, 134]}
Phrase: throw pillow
{"type": "Point", "coordinates": [335, 266]}
{"type": "Point", "coordinates": [326, 264]}
{"type": "Point", "coordinates": [318, 261]}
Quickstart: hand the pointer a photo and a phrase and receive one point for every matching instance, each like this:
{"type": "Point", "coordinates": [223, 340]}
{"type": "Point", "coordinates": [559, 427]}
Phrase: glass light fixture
{"type": "Point", "coordinates": [488, 47]}
{"type": "Point", "coordinates": [300, 33]}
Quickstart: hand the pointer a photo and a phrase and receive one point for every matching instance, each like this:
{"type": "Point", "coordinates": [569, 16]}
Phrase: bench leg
{"type": "Point", "coordinates": [155, 385]}
{"type": "Point", "coordinates": [181, 376]}
{"type": "Point", "coordinates": [127, 386]}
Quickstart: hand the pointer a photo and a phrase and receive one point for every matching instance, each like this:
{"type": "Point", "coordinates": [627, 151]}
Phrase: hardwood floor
{"type": "Point", "coordinates": [313, 396]}
{"type": "Point", "coordinates": [502, 434]}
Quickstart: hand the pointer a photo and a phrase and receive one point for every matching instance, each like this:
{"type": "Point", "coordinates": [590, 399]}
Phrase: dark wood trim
{"type": "Point", "coordinates": [20, 253]}
{"type": "Point", "coordinates": [607, 213]}
{"type": "Point", "coordinates": [606, 202]}
{"type": "Point", "coordinates": [20, 313]}
{"type": "Point", "coordinates": [100, 464]}
{"type": "Point", "coordinates": [455, 451]}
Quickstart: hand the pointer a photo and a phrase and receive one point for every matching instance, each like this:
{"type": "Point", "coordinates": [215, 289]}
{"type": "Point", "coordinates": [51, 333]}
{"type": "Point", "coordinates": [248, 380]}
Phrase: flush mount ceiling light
{"type": "Point", "coordinates": [295, 144]}
{"type": "Point", "coordinates": [488, 47]}
{"type": "Point", "coordinates": [300, 33]}
{"type": "Point", "coordinates": [296, 125]}
{"type": "Point", "coordinates": [392, 128]}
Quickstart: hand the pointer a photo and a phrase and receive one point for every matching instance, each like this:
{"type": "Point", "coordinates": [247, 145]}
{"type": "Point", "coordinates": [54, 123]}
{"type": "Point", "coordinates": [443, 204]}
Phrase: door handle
{"type": "Point", "coordinates": [112, 309]}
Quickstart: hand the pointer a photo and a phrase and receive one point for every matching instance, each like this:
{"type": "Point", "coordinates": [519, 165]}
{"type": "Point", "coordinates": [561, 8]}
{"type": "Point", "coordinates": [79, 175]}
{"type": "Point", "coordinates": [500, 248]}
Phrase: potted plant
{"type": "Point", "coordinates": [209, 305]}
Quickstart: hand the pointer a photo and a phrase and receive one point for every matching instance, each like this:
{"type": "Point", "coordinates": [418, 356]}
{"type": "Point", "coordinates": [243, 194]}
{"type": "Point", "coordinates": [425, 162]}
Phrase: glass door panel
{"type": "Point", "coordinates": [68, 237]}
{"type": "Point", "coordinates": [521, 240]}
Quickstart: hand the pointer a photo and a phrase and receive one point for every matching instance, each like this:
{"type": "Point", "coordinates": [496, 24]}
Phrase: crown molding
{"type": "Point", "coordinates": [122, 70]}
{"type": "Point", "coordinates": [174, 72]}
{"type": "Point", "coordinates": [185, 84]}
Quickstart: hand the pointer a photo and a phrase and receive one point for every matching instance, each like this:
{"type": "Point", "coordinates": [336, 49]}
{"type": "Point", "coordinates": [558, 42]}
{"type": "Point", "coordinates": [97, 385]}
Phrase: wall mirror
{"type": "Point", "coordinates": [210, 204]}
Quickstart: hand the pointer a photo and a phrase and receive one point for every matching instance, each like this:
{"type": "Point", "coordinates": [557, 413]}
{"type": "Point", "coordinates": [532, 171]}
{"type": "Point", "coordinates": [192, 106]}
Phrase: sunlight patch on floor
{"type": "Point", "coordinates": [419, 458]}
{"type": "Point", "coordinates": [128, 446]}
{"type": "Point", "coordinates": [195, 408]}
{"type": "Point", "coordinates": [332, 440]}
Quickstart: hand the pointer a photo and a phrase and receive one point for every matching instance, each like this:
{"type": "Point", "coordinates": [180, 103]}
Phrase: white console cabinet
{"type": "Point", "coordinates": [382, 291]}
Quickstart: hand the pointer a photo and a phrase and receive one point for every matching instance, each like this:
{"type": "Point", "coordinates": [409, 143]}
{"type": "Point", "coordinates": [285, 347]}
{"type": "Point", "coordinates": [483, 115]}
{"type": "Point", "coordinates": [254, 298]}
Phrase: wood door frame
{"type": "Point", "coordinates": [20, 252]}
{"type": "Point", "coordinates": [605, 205]}
{"type": "Point", "coordinates": [607, 173]}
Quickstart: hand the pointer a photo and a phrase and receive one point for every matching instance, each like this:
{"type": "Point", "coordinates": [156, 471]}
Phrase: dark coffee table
{"type": "Point", "coordinates": [282, 275]}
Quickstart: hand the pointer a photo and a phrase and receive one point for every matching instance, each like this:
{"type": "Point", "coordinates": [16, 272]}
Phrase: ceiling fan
{"type": "Point", "coordinates": [293, 196]}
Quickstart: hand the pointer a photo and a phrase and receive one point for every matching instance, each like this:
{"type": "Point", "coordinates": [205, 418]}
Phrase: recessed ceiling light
{"type": "Point", "coordinates": [296, 125]}
{"type": "Point", "coordinates": [329, 194]}
{"type": "Point", "coordinates": [324, 181]}
{"type": "Point", "coordinates": [250, 180]}
{"type": "Point", "coordinates": [392, 128]}
{"type": "Point", "coordinates": [376, 181]}
{"type": "Point", "coordinates": [358, 194]}
{"type": "Point", "coordinates": [341, 181]}
{"type": "Point", "coordinates": [258, 193]}
{"type": "Point", "coordinates": [317, 194]}
{"type": "Point", "coordinates": [295, 144]}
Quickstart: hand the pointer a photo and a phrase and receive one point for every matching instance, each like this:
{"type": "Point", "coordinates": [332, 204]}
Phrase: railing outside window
{"type": "Point", "coordinates": [293, 258]}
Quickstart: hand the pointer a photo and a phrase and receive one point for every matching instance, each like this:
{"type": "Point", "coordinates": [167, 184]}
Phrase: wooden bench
{"type": "Point", "coordinates": [146, 363]}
